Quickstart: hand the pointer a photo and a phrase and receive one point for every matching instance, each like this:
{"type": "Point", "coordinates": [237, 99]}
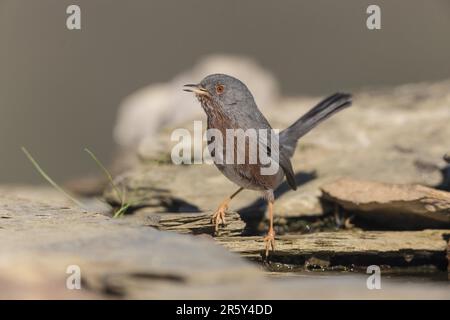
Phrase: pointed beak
{"type": "Point", "coordinates": [196, 88]}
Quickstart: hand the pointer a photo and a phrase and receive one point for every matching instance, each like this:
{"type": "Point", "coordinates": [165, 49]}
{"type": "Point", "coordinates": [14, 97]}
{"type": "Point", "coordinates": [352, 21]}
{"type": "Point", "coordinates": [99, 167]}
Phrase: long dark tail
{"type": "Point", "coordinates": [325, 109]}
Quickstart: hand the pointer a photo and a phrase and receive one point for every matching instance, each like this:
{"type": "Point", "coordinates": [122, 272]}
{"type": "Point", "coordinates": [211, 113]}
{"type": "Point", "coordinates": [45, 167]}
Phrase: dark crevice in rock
{"type": "Point", "coordinates": [158, 277]}
{"type": "Point", "coordinates": [445, 185]}
{"type": "Point", "coordinates": [363, 259]}
{"type": "Point", "coordinates": [169, 205]}
{"type": "Point", "coordinates": [180, 205]}
{"type": "Point", "coordinates": [377, 221]}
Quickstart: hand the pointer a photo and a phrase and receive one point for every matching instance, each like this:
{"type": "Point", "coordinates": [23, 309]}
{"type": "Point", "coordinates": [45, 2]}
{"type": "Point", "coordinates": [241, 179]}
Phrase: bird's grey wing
{"type": "Point", "coordinates": [286, 165]}
{"type": "Point", "coordinates": [283, 156]}
{"type": "Point", "coordinates": [253, 118]}
{"type": "Point", "coordinates": [283, 159]}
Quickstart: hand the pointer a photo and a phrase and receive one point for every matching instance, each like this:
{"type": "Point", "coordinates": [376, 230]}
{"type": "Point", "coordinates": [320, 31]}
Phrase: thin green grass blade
{"type": "Point", "coordinates": [50, 180]}
{"type": "Point", "coordinates": [107, 174]}
{"type": "Point", "coordinates": [121, 211]}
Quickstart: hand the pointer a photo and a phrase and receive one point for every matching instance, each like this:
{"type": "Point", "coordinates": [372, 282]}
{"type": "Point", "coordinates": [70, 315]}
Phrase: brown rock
{"type": "Point", "coordinates": [178, 188]}
{"type": "Point", "coordinates": [124, 258]}
{"type": "Point", "coordinates": [391, 205]}
{"type": "Point", "coordinates": [192, 223]}
{"type": "Point", "coordinates": [39, 239]}
{"type": "Point", "coordinates": [351, 248]}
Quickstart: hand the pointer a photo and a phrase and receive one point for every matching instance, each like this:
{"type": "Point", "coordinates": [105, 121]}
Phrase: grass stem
{"type": "Point", "coordinates": [50, 180]}
{"type": "Point", "coordinates": [120, 195]}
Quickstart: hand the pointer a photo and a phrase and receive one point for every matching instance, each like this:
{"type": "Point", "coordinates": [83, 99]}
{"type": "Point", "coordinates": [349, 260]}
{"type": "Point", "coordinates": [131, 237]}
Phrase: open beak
{"type": "Point", "coordinates": [196, 88]}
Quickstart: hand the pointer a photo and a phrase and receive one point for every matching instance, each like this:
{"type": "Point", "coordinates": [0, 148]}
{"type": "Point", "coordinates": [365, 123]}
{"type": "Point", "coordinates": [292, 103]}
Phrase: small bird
{"type": "Point", "coordinates": [229, 104]}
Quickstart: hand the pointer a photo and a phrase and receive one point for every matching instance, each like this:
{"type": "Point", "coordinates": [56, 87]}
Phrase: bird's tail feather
{"type": "Point", "coordinates": [322, 111]}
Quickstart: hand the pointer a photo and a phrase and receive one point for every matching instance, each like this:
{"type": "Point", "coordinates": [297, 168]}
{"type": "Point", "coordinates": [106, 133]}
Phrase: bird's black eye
{"type": "Point", "coordinates": [220, 88]}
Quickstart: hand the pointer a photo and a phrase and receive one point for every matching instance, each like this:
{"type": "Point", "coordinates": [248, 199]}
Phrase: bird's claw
{"type": "Point", "coordinates": [218, 217]}
{"type": "Point", "coordinates": [269, 240]}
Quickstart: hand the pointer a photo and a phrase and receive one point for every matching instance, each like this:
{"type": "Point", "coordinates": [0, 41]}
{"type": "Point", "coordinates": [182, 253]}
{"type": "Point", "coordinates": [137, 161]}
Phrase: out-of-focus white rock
{"type": "Point", "coordinates": [143, 114]}
{"type": "Point", "coordinates": [140, 113]}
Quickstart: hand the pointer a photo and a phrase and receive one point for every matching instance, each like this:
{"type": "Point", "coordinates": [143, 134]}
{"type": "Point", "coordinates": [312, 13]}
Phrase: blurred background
{"type": "Point", "coordinates": [60, 90]}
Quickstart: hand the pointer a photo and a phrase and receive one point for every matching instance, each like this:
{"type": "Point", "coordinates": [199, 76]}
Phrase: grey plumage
{"type": "Point", "coordinates": [237, 105]}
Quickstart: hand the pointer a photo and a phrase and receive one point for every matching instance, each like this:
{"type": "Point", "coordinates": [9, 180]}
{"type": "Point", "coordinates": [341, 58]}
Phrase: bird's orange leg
{"type": "Point", "coordinates": [269, 239]}
{"type": "Point", "coordinates": [219, 215]}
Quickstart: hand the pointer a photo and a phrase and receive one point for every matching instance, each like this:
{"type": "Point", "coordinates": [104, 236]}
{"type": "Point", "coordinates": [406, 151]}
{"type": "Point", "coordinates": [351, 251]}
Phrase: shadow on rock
{"type": "Point", "coordinates": [254, 212]}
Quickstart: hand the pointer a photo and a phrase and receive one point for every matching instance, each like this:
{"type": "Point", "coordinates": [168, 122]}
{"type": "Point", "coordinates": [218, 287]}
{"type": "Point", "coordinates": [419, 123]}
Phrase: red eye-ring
{"type": "Point", "coordinates": [220, 88]}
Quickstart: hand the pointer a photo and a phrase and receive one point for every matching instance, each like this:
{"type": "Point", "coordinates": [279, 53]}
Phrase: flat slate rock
{"type": "Point", "coordinates": [350, 249]}
{"type": "Point", "coordinates": [395, 206]}
{"type": "Point", "coordinates": [123, 258]}
{"type": "Point", "coordinates": [106, 249]}
{"type": "Point", "coordinates": [190, 223]}
{"type": "Point", "coordinates": [347, 249]}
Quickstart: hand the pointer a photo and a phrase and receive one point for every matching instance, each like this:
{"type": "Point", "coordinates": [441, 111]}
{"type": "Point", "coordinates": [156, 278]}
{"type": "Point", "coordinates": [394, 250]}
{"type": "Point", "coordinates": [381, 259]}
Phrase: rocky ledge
{"type": "Point", "coordinates": [42, 240]}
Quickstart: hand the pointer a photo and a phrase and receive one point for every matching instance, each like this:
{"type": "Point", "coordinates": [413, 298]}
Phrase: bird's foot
{"type": "Point", "coordinates": [269, 240]}
{"type": "Point", "coordinates": [218, 217]}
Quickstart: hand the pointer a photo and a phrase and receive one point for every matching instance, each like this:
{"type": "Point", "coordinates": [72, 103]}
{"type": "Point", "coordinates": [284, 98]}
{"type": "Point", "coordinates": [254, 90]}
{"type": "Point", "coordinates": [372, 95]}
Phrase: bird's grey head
{"type": "Point", "coordinates": [221, 90]}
